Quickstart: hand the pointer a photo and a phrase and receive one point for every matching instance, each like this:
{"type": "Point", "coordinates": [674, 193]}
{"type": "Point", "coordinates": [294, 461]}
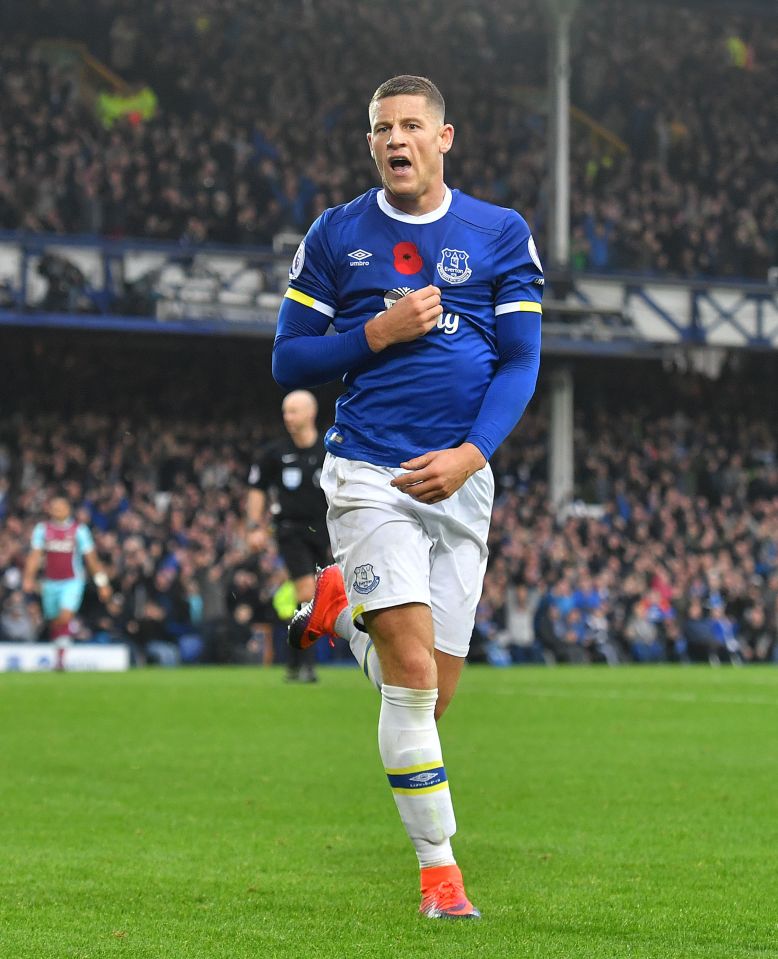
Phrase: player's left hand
{"type": "Point", "coordinates": [105, 593]}
{"type": "Point", "coordinates": [439, 474]}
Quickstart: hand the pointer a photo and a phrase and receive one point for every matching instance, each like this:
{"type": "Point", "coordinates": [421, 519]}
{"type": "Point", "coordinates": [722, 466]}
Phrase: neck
{"type": "Point", "coordinates": [417, 206]}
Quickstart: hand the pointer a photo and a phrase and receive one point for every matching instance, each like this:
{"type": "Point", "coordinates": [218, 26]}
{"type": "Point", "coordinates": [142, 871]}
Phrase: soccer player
{"type": "Point", "coordinates": [64, 546]}
{"type": "Point", "coordinates": [291, 468]}
{"type": "Point", "coordinates": [435, 298]}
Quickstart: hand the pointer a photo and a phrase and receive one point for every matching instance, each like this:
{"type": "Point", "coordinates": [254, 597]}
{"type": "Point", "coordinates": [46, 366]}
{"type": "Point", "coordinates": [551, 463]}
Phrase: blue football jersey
{"type": "Point", "coordinates": [360, 258]}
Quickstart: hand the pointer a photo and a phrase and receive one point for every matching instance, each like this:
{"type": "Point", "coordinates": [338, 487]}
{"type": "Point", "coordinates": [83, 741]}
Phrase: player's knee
{"type": "Point", "coordinates": [413, 666]}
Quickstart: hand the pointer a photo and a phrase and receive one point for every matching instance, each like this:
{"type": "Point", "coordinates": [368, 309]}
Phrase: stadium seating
{"type": "Point", "coordinates": [254, 136]}
{"type": "Point", "coordinates": [669, 508]}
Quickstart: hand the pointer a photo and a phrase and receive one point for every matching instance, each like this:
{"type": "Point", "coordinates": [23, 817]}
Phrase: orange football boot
{"type": "Point", "coordinates": [443, 894]}
{"type": "Point", "coordinates": [316, 618]}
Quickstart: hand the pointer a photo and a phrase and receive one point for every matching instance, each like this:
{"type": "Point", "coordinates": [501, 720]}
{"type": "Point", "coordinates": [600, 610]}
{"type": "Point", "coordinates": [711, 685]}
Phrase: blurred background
{"type": "Point", "coordinates": [159, 162]}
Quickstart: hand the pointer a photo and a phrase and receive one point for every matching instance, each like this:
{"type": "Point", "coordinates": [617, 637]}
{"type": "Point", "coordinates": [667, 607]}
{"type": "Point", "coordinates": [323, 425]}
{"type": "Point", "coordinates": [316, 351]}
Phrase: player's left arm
{"type": "Point", "coordinates": [87, 546]}
{"type": "Point", "coordinates": [438, 474]}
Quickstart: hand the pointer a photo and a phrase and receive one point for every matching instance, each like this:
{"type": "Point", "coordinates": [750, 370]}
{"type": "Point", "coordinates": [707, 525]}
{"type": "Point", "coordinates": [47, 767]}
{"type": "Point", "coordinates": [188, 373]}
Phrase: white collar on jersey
{"type": "Point", "coordinates": [431, 217]}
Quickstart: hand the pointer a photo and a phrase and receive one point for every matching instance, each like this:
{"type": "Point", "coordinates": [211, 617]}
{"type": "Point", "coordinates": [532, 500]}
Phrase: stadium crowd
{"type": "Point", "coordinates": [262, 115]}
{"type": "Point", "coordinates": [669, 550]}
{"type": "Point", "coordinates": [163, 501]}
{"type": "Point", "coordinates": [677, 560]}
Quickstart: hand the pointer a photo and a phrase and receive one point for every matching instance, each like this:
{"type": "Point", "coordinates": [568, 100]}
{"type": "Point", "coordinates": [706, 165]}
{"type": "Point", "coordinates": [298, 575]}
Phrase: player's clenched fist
{"type": "Point", "coordinates": [411, 316]}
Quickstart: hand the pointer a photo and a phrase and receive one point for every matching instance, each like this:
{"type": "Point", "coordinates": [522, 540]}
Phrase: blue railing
{"type": "Point", "coordinates": [145, 285]}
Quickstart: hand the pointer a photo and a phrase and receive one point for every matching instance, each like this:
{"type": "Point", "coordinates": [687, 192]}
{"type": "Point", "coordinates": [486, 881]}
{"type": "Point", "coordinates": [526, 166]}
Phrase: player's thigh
{"type": "Point", "coordinates": [50, 599]}
{"type": "Point", "coordinates": [381, 545]}
{"type": "Point", "coordinates": [458, 564]}
{"type": "Point", "coordinates": [72, 596]}
{"type": "Point", "coordinates": [456, 580]}
{"type": "Point", "coordinates": [61, 596]}
{"type": "Point", "coordinates": [384, 558]}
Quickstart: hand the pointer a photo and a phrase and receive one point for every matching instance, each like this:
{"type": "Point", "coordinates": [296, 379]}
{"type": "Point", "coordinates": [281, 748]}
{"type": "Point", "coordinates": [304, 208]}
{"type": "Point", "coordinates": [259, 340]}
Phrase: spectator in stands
{"type": "Point", "coordinates": [166, 498]}
{"type": "Point", "coordinates": [723, 632]}
{"type": "Point", "coordinates": [645, 628]}
{"type": "Point", "coordinates": [250, 615]}
{"type": "Point", "coordinates": [222, 162]}
{"type": "Point", "coordinates": [211, 577]}
{"type": "Point", "coordinates": [519, 637]}
{"type": "Point", "coordinates": [758, 641]}
{"type": "Point", "coordinates": [697, 632]}
{"type": "Point", "coordinates": [20, 622]}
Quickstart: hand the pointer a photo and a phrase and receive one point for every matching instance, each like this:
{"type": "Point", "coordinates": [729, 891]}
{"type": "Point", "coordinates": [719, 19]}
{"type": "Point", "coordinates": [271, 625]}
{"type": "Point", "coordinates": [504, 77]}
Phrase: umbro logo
{"type": "Point", "coordinates": [359, 257]}
{"type": "Point", "coordinates": [423, 778]}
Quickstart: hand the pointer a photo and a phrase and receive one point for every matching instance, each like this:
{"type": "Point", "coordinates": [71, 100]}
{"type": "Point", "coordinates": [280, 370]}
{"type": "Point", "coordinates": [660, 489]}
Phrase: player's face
{"type": "Point", "coordinates": [408, 141]}
{"type": "Point", "coordinates": [59, 509]}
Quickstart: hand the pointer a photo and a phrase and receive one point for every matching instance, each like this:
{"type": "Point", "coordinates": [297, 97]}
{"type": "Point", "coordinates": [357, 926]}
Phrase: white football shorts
{"type": "Point", "coordinates": [392, 549]}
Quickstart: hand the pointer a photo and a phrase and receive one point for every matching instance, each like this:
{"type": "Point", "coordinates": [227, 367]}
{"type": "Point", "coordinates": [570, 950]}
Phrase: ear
{"type": "Point", "coordinates": [446, 138]}
{"type": "Point", "coordinates": [370, 144]}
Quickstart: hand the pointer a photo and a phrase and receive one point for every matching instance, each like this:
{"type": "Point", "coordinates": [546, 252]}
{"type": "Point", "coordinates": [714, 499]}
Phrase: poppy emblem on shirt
{"type": "Point", "coordinates": [407, 259]}
{"type": "Point", "coordinates": [453, 266]}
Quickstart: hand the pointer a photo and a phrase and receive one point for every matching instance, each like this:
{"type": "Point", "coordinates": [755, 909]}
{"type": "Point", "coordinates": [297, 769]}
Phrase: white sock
{"type": "Point", "coordinates": [410, 750]}
{"type": "Point", "coordinates": [361, 646]}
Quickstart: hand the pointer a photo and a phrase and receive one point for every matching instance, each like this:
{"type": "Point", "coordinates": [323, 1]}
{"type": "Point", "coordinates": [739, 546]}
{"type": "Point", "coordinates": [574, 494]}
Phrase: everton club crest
{"type": "Point", "coordinates": [452, 266]}
{"type": "Point", "coordinates": [365, 580]}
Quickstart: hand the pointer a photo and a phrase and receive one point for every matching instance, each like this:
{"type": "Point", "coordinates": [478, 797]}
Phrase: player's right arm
{"type": "Point", "coordinates": [31, 566]}
{"type": "Point", "coordinates": [302, 355]}
{"type": "Point", "coordinates": [34, 558]}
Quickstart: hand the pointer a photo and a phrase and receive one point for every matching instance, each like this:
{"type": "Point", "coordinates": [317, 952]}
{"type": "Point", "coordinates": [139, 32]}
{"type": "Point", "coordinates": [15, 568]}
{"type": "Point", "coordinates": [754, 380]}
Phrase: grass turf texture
{"type": "Point", "coordinates": [221, 813]}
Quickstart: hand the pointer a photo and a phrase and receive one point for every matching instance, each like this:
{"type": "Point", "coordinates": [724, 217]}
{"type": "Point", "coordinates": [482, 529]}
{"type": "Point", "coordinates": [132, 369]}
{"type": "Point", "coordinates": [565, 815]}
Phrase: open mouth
{"type": "Point", "coordinates": [400, 163]}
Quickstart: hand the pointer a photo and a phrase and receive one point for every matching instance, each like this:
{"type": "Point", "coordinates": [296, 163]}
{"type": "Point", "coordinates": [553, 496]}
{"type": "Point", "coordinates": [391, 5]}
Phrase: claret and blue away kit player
{"type": "Point", "coordinates": [435, 298]}
{"type": "Point", "coordinates": [64, 547]}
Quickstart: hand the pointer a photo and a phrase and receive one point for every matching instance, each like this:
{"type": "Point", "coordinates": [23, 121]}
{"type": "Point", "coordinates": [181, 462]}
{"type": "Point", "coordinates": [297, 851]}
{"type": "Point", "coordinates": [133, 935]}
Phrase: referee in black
{"type": "Point", "coordinates": [288, 472]}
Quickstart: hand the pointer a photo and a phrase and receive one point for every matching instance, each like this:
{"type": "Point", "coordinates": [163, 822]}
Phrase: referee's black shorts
{"type": "Point", "coordinates": [303, 546]}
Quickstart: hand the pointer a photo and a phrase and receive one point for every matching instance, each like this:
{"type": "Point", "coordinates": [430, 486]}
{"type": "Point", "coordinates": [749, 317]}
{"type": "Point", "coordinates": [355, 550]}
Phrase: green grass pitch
{"type": "Point", "coordinates": [220, 813]}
